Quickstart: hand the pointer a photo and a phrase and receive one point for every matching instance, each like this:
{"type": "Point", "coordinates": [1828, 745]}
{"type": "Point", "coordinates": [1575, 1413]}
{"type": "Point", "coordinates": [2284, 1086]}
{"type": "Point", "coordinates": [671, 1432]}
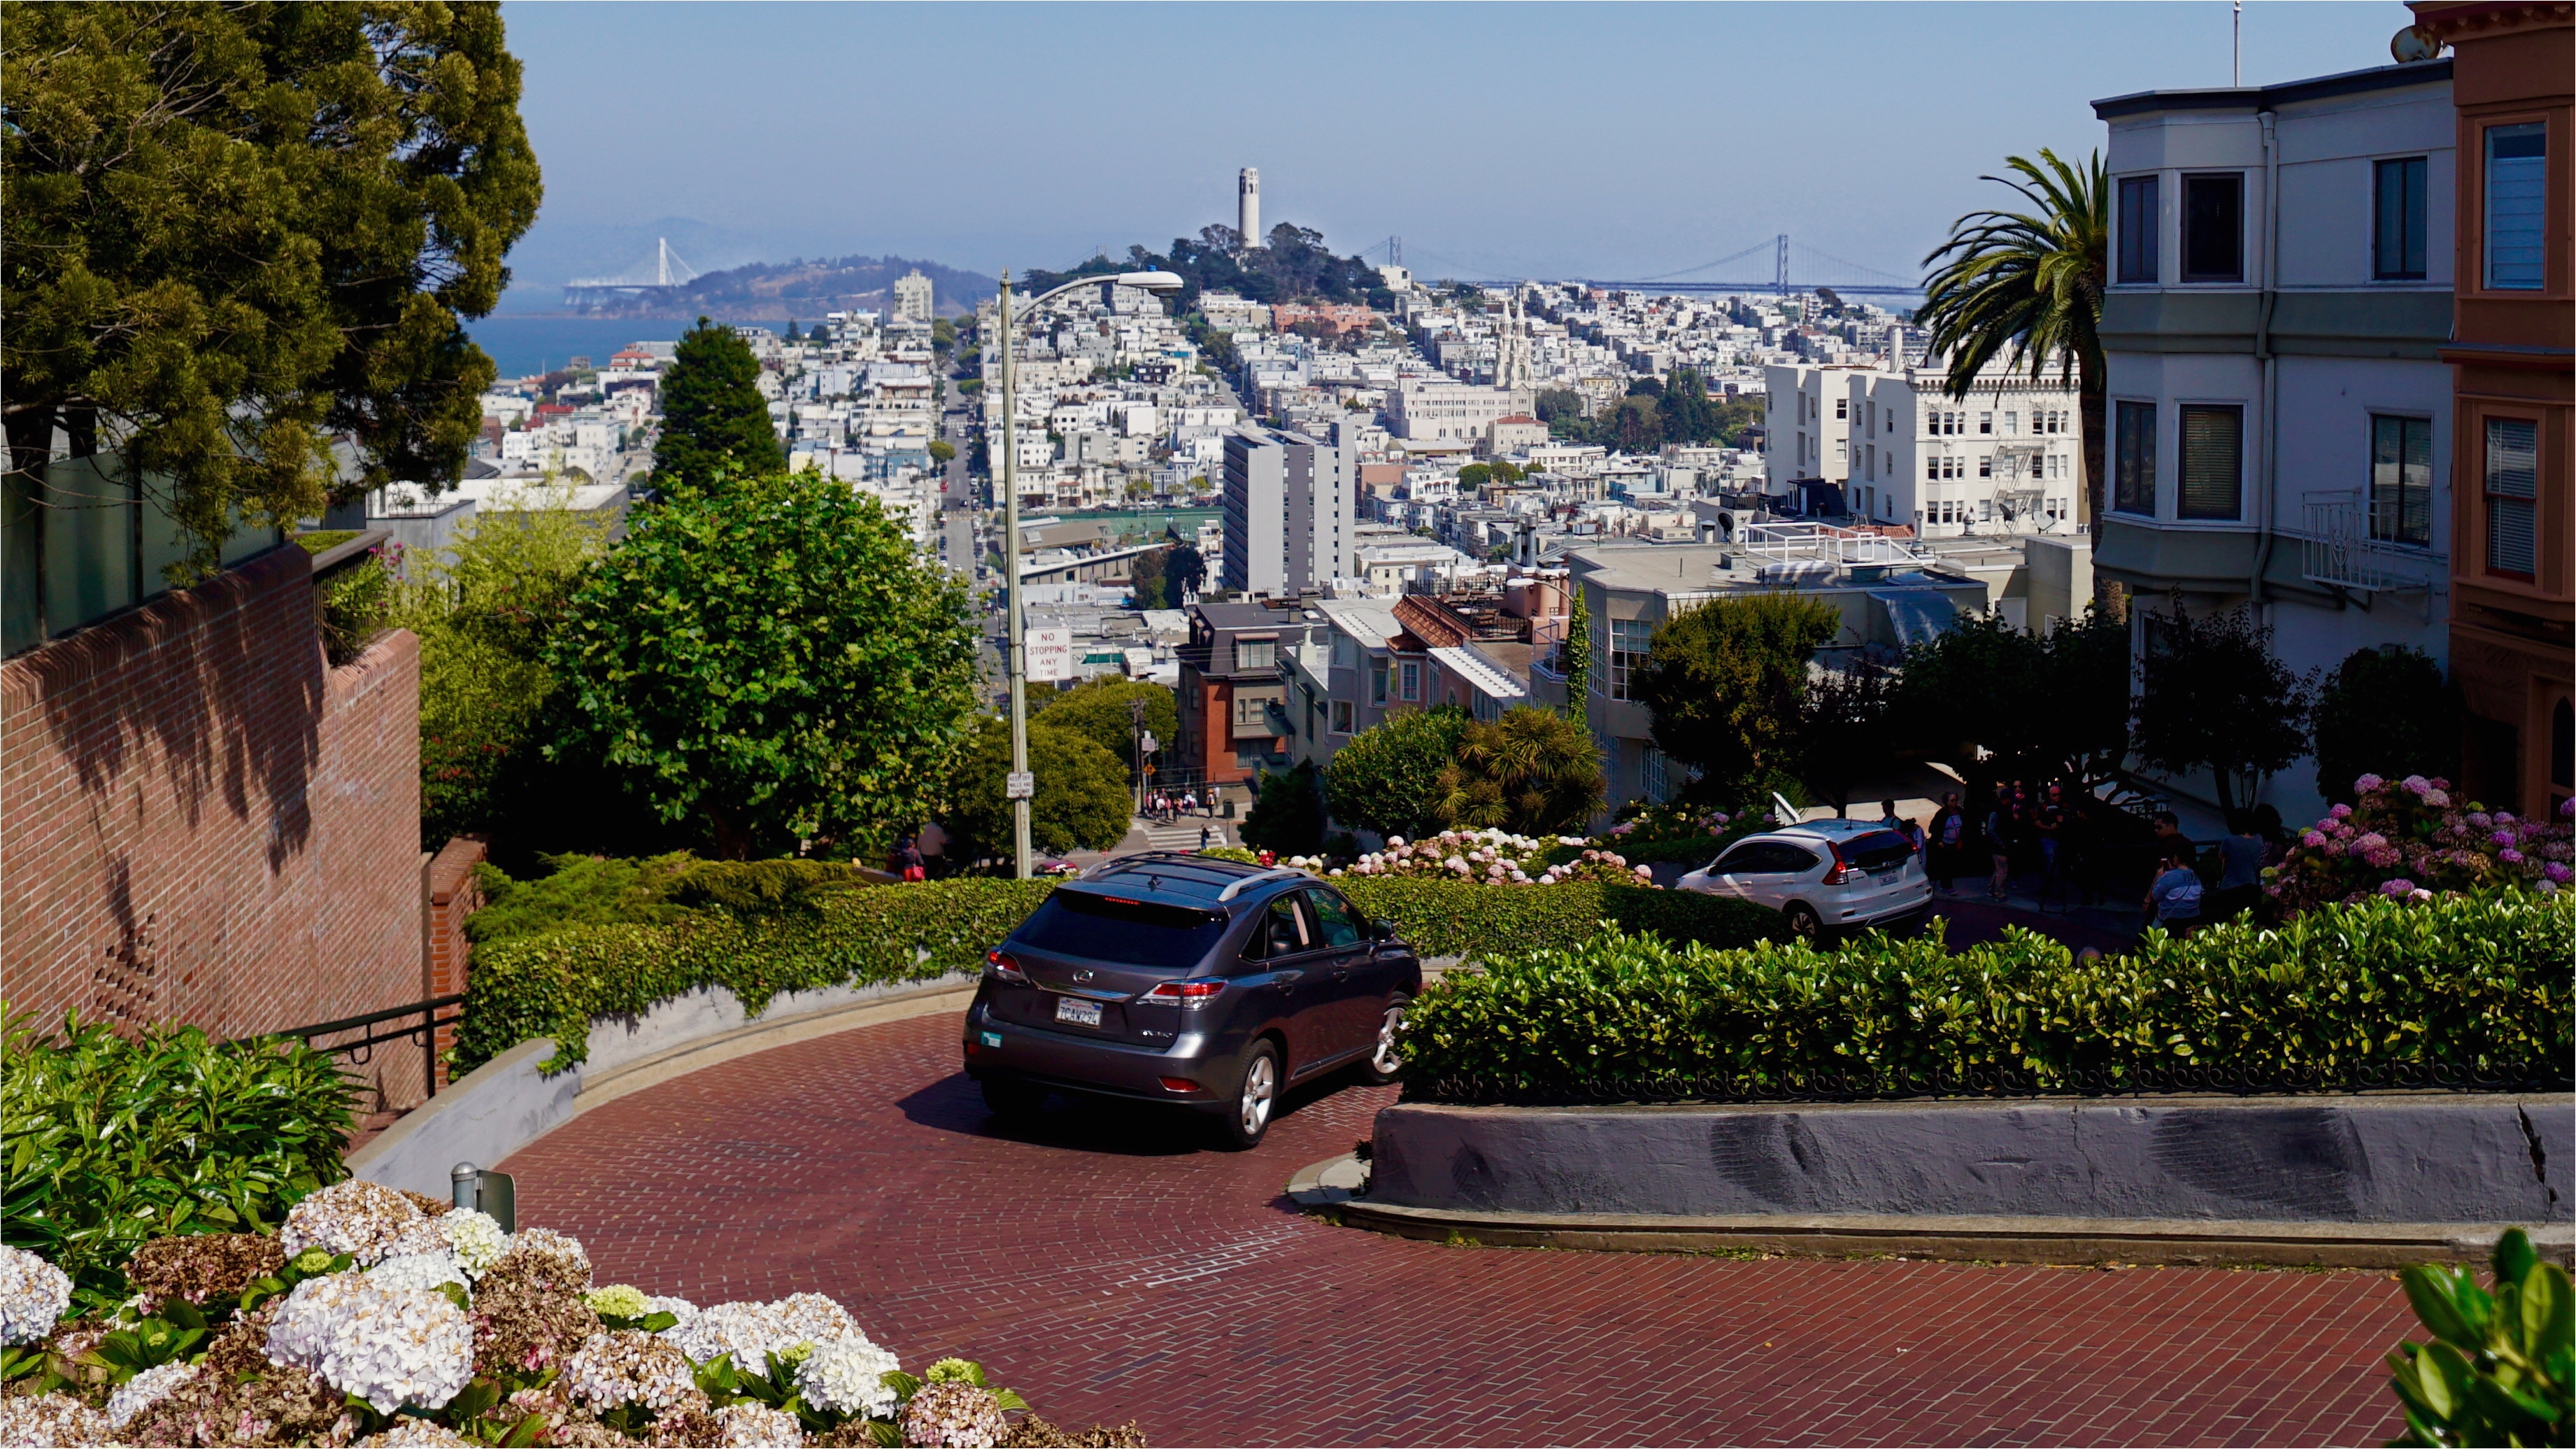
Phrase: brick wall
{"type": "Point", "coordinates": [204, 822]}
{"type": "Point", "coordinates": [448, 895]}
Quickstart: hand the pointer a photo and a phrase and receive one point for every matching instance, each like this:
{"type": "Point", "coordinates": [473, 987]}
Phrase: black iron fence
{"type": "Point", "coordinates": [362, 1049]}
{"type": "Point", "coordinates": [1678, 1087]}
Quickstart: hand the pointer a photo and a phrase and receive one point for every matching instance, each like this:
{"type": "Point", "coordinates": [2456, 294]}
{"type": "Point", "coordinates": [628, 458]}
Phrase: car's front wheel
{"type": "Point", "coordinates": [1385, 1060]}
{"type": "Point", "coordinates": [1256, 1094]}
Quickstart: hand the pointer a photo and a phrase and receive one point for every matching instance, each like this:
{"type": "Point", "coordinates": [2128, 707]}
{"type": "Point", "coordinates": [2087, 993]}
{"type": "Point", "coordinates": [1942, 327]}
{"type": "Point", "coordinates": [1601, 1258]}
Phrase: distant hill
{"type": "Point", "coordinates": [807, 289]}
{"type": "Point", "coordinates": [1293, 265]}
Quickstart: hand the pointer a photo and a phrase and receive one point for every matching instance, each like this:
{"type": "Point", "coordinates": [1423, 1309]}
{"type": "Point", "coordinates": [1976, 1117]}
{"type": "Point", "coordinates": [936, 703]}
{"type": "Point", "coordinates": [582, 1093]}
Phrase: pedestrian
{"type": "Point", "coordinates": [2240, 874]}
{"type": "Point", "coordinates": [1912, 832]}
{"type": "Point", "coordinates": [1205, 834]}
{"type": "Point", "coordinates": [1949, 831]}
{"type": "Point", "coordinates": [2047, 822]}
{"type": "Point", "coordinates": [2173, 902]}
{"type": "Point", "coordinates": [908, 862]}
{"type": "Point", "coordinates": [2000, 829]}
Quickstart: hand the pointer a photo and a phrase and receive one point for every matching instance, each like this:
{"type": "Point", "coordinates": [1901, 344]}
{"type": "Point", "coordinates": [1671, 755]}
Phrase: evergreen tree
{"type": "Point", "coordinates": [712, 414]}
{"type": "Point", "coordinates": [1577, 656]}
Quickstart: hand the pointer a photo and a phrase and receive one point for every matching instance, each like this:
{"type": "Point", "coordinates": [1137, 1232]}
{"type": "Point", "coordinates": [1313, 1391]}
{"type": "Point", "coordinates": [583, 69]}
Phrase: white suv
{"type": "Point", "coordinates": [1824, 875]}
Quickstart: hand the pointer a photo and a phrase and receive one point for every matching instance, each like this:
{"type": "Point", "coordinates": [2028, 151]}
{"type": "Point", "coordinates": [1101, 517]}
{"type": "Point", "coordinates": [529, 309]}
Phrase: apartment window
{"type": "Point", "coordinates": [2517, 185]}
{"type": "Point", "coordinates": [1985, 422]}
{"type": "Point", "coordinates": [1931, 467]}
{"type": "Point", "coordinates": [1256, 653]}
{"type": "Point", "coordinates": [1629, 641]}
{"type": "Point", "coordinates": [1377, 683]}
{"type": "Point", "coordinates": [2012, 424]}
{"type": "Point", "coordinates": [2513, 495]}
{"type": "Point", "coordinates": [1842, 407]}
{"type": "Point", "coordinates": [1986, 466]}
{"type": "Point", "coordinates": [1341, 716]}
{"type": "Point", "coordinates": [2213, 228]}
{"type": "Point", "coordinates": [2397, 229]}
{"type": "Point", "coordinates": [2212, 471]}
{"type": "Point", "coordinates": [1412, 680]}
{"type": "Point", "coordinates": [2133, 469]}
{"type": "Point", "coordinates": [2137, 228]}
{"type": "Point", "coordinates": [2401, 480]}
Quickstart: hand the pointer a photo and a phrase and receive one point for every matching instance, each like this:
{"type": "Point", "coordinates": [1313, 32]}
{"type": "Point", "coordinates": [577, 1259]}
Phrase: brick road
{"type": "Point", "coordinates": [1109, 1268]}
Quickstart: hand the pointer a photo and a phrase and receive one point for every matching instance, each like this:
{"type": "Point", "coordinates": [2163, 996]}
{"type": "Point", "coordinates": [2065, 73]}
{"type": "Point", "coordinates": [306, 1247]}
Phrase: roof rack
{"type": "Point", "coordinates": [1129, 864]}
{"type": "Point", "coordinates": [1274, 873]}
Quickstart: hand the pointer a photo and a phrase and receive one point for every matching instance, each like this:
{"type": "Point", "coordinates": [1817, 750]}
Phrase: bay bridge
{"type": "Point", "coordinates": [1795, 267]}
{"type": "Point", "coordinates": [656, 278]}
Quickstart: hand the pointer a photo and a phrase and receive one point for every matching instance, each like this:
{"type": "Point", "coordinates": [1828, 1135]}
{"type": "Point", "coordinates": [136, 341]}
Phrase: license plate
{"type": "Point", "coordinates": [1078, 1011]}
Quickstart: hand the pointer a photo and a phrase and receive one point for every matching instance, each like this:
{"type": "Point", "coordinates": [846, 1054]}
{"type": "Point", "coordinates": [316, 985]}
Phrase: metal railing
{"type": "Point", "coordinates": [2349, 541]}
{"type": "Point", "coordinates": [425, 1031]}
{"type": "Point", "coordinates": [1823, 543]}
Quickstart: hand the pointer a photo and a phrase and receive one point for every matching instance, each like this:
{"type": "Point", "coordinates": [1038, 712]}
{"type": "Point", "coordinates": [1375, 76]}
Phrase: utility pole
{"type": "Point", "coordinates": [1020, 786]}
{"type": "Point", "coordinates": [1136, 747]}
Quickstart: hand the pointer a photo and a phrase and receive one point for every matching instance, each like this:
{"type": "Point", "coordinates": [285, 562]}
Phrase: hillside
{"type": "Point", "coordinates": [1293, 266]}
{"type": "Point", "coordinates": [808, 288]}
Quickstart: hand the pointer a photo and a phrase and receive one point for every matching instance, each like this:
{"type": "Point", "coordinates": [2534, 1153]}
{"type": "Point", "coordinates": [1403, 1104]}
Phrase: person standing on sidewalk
{"type": "Point", "coordinates": [1949, 837]}
{"type": "Point", "coordinates": [2240, 877]}
{"type": "Point", "coordinates": [2173, 902]}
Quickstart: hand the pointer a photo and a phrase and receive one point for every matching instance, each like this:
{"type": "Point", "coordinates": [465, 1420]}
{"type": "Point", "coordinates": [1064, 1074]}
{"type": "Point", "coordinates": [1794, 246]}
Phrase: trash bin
{"type": "Point", "coordinates": [1229, 810]}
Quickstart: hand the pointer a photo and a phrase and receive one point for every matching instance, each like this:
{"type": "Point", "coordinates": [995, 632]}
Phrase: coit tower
{"type": "Point", "coordinates": [1247, 205]}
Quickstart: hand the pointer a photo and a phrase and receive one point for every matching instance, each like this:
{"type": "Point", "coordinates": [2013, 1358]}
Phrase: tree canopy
{"type": "Point", "coordinates": [1724, 682]}
{"type": "Point", "coordinates": [2039, 707]}
{"type": "Point", "coordinates": [2213, 696]}
{"type": "Point", "coordinates": [231, 233]}
{"type": "Point", "coordinates": [713, 416]}
{"type": "Point", "coordinates": [1102, 711]}
{"type": "Point", "coordinates": [1532, 772]}
{"type": "Point", "coordinates": [1287, 814]}
{"type": "Point", "coordinates": [1387, 779]}
{"type": "Point", "coordinates": [1082, 801]}
{"type": "Point", "coordinates": [2385, 711]}
{"type": "Point", "coordinates": [768, 655]}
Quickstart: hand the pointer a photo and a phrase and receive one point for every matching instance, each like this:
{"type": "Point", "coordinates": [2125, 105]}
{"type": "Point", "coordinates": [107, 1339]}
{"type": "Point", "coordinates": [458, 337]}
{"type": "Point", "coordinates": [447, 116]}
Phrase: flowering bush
{"type": "Point", "coordinates": [1495, 857]}
{"type": "Point", "coordinates": [391, 1319]}
{"type": "Point", "coordinates": [2409, 840]}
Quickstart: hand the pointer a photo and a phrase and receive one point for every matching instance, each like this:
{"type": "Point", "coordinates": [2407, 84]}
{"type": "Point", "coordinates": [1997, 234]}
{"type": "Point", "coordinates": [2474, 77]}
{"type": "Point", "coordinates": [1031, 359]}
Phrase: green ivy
{"type": "Point", "coordinates": [2476, 985]}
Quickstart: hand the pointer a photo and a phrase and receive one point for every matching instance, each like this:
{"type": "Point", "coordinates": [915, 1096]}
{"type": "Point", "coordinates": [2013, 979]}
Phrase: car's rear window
{"type": "Point", "coordinates": [1131, 933]}
{"type": "Point", "coordinates": [1878, 850]}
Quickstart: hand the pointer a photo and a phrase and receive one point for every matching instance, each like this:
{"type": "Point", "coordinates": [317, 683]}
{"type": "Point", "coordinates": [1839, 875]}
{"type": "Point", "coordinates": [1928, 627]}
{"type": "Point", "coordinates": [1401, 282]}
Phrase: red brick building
{"type": "Point", "coordinates": [2513, 565]}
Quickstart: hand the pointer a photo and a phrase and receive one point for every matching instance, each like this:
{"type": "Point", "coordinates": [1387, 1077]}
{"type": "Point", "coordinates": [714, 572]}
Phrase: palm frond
{"type": "Point", "coordinates": [2026, 285]}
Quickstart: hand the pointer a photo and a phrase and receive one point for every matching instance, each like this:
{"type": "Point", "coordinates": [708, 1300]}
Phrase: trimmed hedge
{"type": "Point", "coordinates": [553, 984]}
{"type": "Point", "coordinates": [2472, 986]}
{"type": "Point", "coordinates": [1454, 918]}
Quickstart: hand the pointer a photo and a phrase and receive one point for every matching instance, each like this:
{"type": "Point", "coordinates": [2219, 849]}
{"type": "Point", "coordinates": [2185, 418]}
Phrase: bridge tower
{"type": "Point", "coordinates": [1780, 268]}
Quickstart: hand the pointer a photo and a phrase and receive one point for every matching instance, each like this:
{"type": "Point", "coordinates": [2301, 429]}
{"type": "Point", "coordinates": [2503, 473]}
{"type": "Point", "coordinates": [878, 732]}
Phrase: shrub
{"type": "Point", "coordinates": [553, 984]}
{"type": "Point", "coordinates": [1082, 800]}
{"type": "Point", "coordinates": [2385, 710]}
{"type": "Point", "coordinates": [1287, 814]}
{"type": "Point", "coordinates": [114, 1140]}
{"type": "Point", "coordinates": [1387, 779]}
{"type": "Point", "coordinates": [1480, 922]}
{"type": "Point", "coordinates": [2467, 985]}
{"type": "Point", "coordinates": [354, 602]}
{"type": "Point", "coordinates": [2498, 1370]}
{"type": "Point", "coordinates": [1533, 771]}
{"type": "Point", "coordinates": [2409, 836]}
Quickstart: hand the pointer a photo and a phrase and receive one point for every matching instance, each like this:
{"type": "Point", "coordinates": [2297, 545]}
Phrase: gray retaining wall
{"type": "Point", "coordinates": [2393, 1159]}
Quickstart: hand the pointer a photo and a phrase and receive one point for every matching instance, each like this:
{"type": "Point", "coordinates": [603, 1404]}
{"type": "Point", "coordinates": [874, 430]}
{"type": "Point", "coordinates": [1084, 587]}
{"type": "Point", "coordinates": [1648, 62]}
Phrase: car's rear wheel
{"type": "Point", "coordinates": [1804, 923]}
{"type": "Point", "coordinates": [1385, 1060]}
{"type": "Point", "coordinates": [1013, 1100]}
{"type": "Point", "coordinates": [1256, 1094]}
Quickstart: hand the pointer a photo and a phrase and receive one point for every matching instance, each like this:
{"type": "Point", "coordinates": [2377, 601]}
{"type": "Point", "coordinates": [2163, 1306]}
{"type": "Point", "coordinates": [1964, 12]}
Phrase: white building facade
{"type": "Point", "coordinates": [2007, 460]}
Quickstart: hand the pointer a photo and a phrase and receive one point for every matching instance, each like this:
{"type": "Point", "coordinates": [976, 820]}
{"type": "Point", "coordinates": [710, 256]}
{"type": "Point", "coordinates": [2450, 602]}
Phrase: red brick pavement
{"type": "Point", "coordinates": [1109, 1267]}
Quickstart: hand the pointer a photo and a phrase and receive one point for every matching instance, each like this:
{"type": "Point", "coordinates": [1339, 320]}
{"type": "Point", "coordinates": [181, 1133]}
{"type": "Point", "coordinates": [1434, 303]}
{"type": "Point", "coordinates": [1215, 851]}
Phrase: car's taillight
{"type": "Point", "coordinates": [1180, 1084]}
{"type": "Point", "coordinates": [1184, 993]}
{"type": "Point", "coordinates": [1005, 968]}
{"type": "Point", "coordinates": [1841, 871]}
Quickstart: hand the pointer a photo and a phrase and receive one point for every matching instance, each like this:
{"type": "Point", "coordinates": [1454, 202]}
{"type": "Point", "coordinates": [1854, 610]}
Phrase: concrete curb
{"type": "Point", "coordinates": [1982, 1239]}
{"type": "Point", "coordinates": [506, 1103]}
{"type": "Point", "coordinates": [1328, 1183]}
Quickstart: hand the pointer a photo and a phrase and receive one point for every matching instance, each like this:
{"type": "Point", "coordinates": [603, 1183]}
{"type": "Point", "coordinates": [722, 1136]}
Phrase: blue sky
{"type": "Point", "coordinates": [1497, 139]}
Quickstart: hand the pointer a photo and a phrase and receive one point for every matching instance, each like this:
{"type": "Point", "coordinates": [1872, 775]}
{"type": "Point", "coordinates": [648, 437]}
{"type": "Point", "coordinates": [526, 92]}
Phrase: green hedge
{"type": "Point", "coordinates": [2471, 985]}
{"type": "Point", "coordinates": [1453, 918]}
{"type": "Point", "coordinates": [553, 984]}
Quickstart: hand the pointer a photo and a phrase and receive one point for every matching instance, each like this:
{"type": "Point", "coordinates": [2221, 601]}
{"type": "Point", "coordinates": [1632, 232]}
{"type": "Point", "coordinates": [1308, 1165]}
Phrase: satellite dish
{"type": "Point", "coordinates": [2414, 43]}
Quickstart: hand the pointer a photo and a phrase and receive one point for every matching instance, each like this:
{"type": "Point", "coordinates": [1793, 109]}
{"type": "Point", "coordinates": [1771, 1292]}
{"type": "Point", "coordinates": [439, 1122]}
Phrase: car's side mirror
{"type": "Point", "coordinates": [1381, 930]}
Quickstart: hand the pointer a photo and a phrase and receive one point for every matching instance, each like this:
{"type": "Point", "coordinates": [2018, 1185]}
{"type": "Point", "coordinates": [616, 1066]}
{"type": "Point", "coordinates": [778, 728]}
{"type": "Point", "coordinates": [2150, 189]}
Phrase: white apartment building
{"type": "Point", "coordinates": [912, 296]}
{"type": "Point", "coordinates": [1435, 409]}
{"type": "Point", "coordinates": [1287, 506]}
{"type": "Point", "coordinates": [2008, 460]}
{"type": "Point", "coordinates": [2280, 415]}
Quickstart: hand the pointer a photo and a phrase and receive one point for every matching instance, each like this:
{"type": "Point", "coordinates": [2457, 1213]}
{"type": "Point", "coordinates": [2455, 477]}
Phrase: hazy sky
{"type": "Point", "coordinates": [1594, 140]}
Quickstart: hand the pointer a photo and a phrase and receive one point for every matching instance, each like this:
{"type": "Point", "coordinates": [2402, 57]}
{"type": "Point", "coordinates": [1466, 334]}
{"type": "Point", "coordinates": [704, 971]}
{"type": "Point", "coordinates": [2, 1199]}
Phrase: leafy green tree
{"type": "Point", "coordinates": [233, 233]}
{"type": "Point", "coordinates": [2028, 285]}
{"type": "Point", "coordinates": [1475, 475]}
{"type": "Point", "coordinates": [2213, 696]}
{"type": "Point", "coordinates": [1725, 681]}
{"type": "Point", "coordinates": [1082, 801]}
{"type": "Point", "coordinates": [1387, 779]}
{"type": "Point", "coordinates": [1145, 578]}
{"type": "Point", "coordinates": [713, 416]}
{"type": "Point", "coordinates": [942, 451]}
{"type": "Point", "coordinates": [1636, 426]}
{"type": "Point", "coordinates": [1287, 814]}
{"type": "Point", "coordinates": [2385, 711]}
{"type": "Point", "coordinates": [2035, 707]}
{"type": "Point", "coordinates": [1532, 772]}
{"type": "Point", "coordinates": [769, 656]}
{"type": "Point", "coordinates": [1185, 572]}
{"type": "Point", "coordinates": [1576, 657]}
{"type": "Point", "coordinates": [1102, 711]}
{"type": "Point", "coordinates": [1844, 727]}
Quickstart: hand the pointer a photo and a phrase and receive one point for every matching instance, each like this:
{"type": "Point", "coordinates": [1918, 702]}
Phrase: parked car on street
{"type": "Point", "coordinates": [1823, 875]}
{"type": "Point", "coordinates": [1170, 977]}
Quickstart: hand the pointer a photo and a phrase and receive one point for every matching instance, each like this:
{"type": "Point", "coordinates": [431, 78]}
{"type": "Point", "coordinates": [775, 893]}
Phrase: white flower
{"type": "Point", "coordinates": [357, 1217]}
{"type": "Point", "coordinates": [410, 1433]}
{"type": "Point", "coordinates": [748, 1425]}
{"type": "Point", "coordinates": [679, 1308]}
{"type": "Point", "coordinates": [389, 1346]}
{"type": "Point", "coordinates": [51, 1421]}
{"type": "Point", "coordinates": [474, 1237]}
{"type": "Point", "coordinates": [418, 1270]}
{"type": "Point", "coordinates": [847, 1376]}
{"type": "Point", "coordinates": [146, 1389]}
{"type": "Point", "coordinates": [547, 1240]}
{"type": "Point", "coordinates": [33, 1294]}
{"type": "Point", "coordinates": [623, 1366]}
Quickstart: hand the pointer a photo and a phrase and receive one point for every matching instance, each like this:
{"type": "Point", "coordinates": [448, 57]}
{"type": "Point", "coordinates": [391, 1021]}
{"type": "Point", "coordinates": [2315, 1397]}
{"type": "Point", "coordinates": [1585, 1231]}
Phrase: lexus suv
{"type": "Point", "coordinates": [1178, 978]}
{"type": "Point", "coordinates": [1823, 875]}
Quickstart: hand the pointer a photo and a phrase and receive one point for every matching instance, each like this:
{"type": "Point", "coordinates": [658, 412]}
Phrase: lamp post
{"type": "Point", "coordinates": [1022, 786]}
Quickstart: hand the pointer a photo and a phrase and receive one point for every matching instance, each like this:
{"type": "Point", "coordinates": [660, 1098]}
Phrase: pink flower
{"type": "Point", "coordinates": [2502, 837]}
{"type": "Point", "coordinates": [2371, 842]}
{"type": "Point", "coordinates": [2312, 840]}
{"type": "Point", "coordinates": [2398, 888]}
{"type": "Point", "coordinates": [2480, 820]}
{"type": "Point", "coordinates": [2553, 871]}
{"type": "Point", "coordinates": [2363, 786]}
{"type": "Point", "coordinates": [2437, 798]}
{"type": "Point", "coordinates": [2343, 812]}
{"type": "Point", "coordinates": [2504, 817]}
{"type": "Point", "coordinates": [2415, 784]}
{"type": "Point", "coordinates": [2510, 856]}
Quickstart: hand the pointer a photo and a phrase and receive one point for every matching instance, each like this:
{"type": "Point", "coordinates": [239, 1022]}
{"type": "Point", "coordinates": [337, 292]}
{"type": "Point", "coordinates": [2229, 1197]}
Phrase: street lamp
{"type": "Point", "coordinates": [1022, 786]}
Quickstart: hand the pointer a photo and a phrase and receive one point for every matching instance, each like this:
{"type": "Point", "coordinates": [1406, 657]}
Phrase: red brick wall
{"type": "Point", "coordinates": [448, 895]}
{"type": "Point", "coordinates": [201, 821]}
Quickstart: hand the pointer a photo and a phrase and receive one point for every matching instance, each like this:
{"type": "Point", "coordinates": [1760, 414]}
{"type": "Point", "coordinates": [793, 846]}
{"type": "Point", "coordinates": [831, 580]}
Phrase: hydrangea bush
{"type": "Point", "coordinates": [1495, 857]}
{"type": "Point", "coordinates": [2411, 839]}
{"type": "Point", "coordinates": [380, 1317]}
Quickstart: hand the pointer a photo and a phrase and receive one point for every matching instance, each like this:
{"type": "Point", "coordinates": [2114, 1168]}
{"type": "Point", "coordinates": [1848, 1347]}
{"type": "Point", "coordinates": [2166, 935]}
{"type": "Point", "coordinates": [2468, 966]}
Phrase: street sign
{"type": "Point", "coordinates": [1150, 744]}
{"type": "Point", "coordinates": [1050, 654]}
{"type": "Point", "coordinates": [1020, 785]}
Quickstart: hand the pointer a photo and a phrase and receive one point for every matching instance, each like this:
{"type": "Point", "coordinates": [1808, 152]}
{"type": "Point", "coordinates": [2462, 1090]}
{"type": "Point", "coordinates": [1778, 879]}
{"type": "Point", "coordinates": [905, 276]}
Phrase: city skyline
{"type": "Point", "coordinates": [1384, 120]}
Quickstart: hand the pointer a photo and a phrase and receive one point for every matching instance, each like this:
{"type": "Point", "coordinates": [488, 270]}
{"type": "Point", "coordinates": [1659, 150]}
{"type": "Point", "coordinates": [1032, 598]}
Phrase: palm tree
{"type": "Point", "coordinates": [2028, 285]}
{"type": "Point", "coordinates": [1532, 772]}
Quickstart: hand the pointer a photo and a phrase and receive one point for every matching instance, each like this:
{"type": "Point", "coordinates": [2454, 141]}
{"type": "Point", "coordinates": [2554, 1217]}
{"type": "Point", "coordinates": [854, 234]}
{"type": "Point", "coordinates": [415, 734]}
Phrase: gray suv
{"type": "Point", "coordinates": [1178, 978]}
